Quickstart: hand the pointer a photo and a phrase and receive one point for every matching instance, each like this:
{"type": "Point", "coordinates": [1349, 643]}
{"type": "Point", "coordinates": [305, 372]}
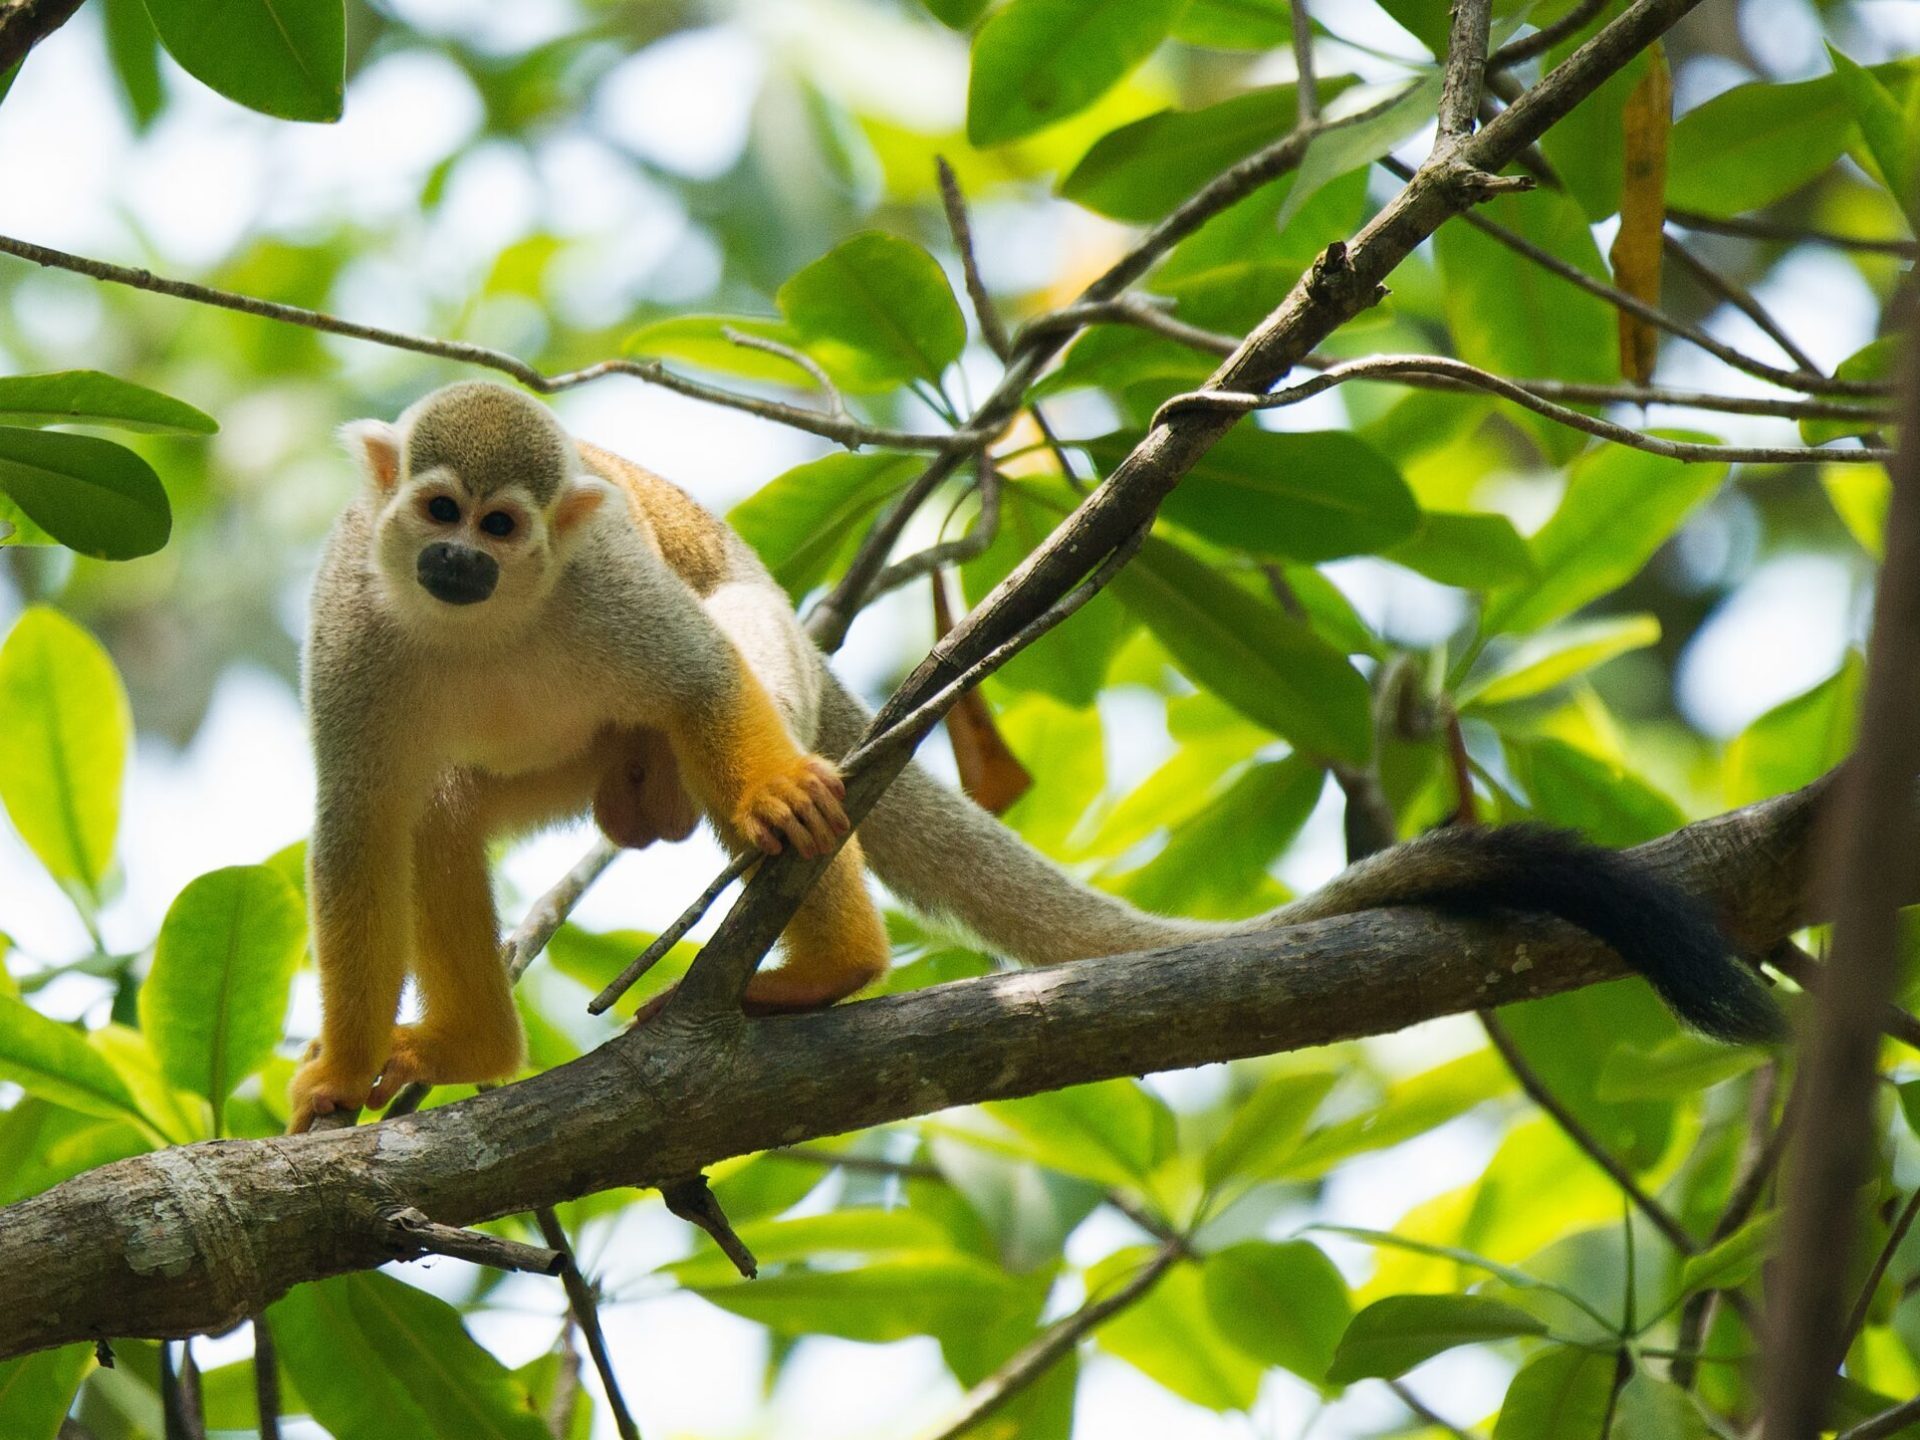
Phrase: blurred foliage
{"type": "Point", "coordinates": [1495, 572]}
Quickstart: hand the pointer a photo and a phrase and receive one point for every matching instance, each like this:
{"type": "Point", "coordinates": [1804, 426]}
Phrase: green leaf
{"type": "Point", "coordinates": [1678, 1067]}
{"type": "Point", "coordinates": [1653, 1409]}
{"type": "Point", "coordinates": [877, 311]}
{"type": "Point", "coordinates": [1283, 1303]}
{"type": "Point", "coordinates": [36, 1390]}
{"type": "Point", "coordinates": [803, 522]}
{"type": "Point", "coordinates": [700, 340]}
{"type": "Point", "coordinates": [1860, 495]}
{"type": "Point", "coordinates": [1541, 662]}
{"type": "Point", "coordinates": [891, 1297]}
{"type": "Point", "coordinates": [42, 1144]}
{"type": "Point", "coordinates": [1735, 1260]}
{"type": "Point", "coordinates": [1471, 550]}
{"type": "Point", "coordinates": [957, 14]}
{"type": "Point", "coordinates": [1115, 1132]}
{"type": "Point", "coordinates": [1028, 1210]}
{"type": "Point", "coordinates": [285, 58]}
{"type": "Point", "coordinates": [1588, 146]}
{"type": "Point", "coordinates": [1519, 1279]}
{"type": "Point", "coordinates": [1122, 357]}
{"type": "Point", "coordinates": [1621, 505]}
{"type": "Point", "coordinates": [1602, 800]}
{"type": "Point", "coordinates": [1893, 140]}
{"type": "Point", "coordinates": [88, 397]}
{"type": "Point", "coordinates": [1391, 1336]}
{"type": "Point", "coordinates": [1512, 316]}
{"type": "Point", "coordinates": [1754, 144]}
{"type": "Point", "coordinates": [1266, 1128]}
{"type": "Point", "coordinates": [54, 1061]}
{"type": "Point", "coordinates": [1306, 496]}
{"type": "Point", "coordinates": [1266, 665]}
{"type": "Point", "coordinates": [375, 1358]}
{"type": "Point", "coordinates": [1798, 740]}
{"type": "Point", "coordinates": [1411, 1107]}
{"type": "Point", "coordinates": [1038, 61]}
{"type": "Point", "coordinates": [837, 1232]}
{"type": "Point", "coordinates": [216, 1000]}
{"type": "Point", "coordinates": [1170, 1337]}
{"type": "Point", "coordinates": [135, 52]}
{"type": "Point", "coordinates": [1560, 1394]}
{"type": "Point", "coordinates": [1142, 170]}
{"type": "Point", "coordinates": [91, 495]}
{"type": "Point", "coordinates": [64, 731]}
{"type": "Point", "coordinates": [1347, 148]}
{"type": "Point", "coordinates": [1235, 24]}
{"type": "Point", "coordinates": [1877, 360]}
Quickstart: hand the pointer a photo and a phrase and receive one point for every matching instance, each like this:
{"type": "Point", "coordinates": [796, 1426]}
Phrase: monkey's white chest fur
{"type": "Point", "coordinates": [510, 721]}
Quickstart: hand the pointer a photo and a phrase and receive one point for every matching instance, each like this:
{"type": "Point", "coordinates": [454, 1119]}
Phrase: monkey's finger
{"type": "Point", "coordinates": [763, 835]}
{"type": "Point", "coordinates": [819, 828]}
{"type": "Point", "coordinates": [830, 776]}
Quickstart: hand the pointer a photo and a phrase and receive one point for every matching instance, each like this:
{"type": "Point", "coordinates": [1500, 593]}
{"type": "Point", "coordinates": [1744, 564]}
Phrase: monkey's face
{"type": "Point", "coordinates": [459, 561]}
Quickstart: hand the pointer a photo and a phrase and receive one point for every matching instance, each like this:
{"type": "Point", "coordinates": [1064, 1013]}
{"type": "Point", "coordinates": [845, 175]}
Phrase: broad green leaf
{"type": "Point", "coordinates": [54, 1061]}
{"type": "Point", "coordinates": [1039, 61]}
{"type": "Point", "coordinates": [1123, 357]}
{"type": "Point", "coordinates": [877, 311]}
{"type": "Point", "coordinates": [1893, 140]}
{"type": "Point", "coordinates": [1114, 1132]}
{"type": "Point", "coordinates": [230, 1398]}
{"type": "Point", "coordinates": [1541, 662]}
{"type": "Point", "coordinates": [1518, 1279]}
{"type": "Point", "coordinates": [1411, 1107]}
{"type": "Point", "coordinates": [1142, 170]}
{"type": "Point", "coordinates": [1235, 24]}
{"type": "Point", "coordinates": [1266, 1128]}
{"type": "Point", "coordinates": [1587, 148]}
{"type": "Point", "coordinates": [1184, 788]}
{"type": "Point", "coordinates": [91, 495]}
{"type": "Point", "coordinates": [42, 1144]}
{"type": "Point", "coordinates": [88, 397]}
{"type": "Point", "coordinates": [957, 14]}
{"type": "Point", "coordinates": [891, 1297]}
{"type": "Point", "coordinates": [701, 340]}
{"type": "Point", "coordinates": [1027, 1209]}
{"type": "Point", "coordinates": [1283, 1303]}
{"type": "Point", "coordinates": [64, 731]}
{"type": "Point", "coordinates": [803, 521]}
{"type": "Point", "coordinates": [215, 1002]}
{"type": "Point", "coordinates": [1860, 495]}
{"type": "Point", "coordinates": [1393, 1335]}
{"type": "Point", "coordinates": [1514, 317]}
{"type": "Point", "coordinates": [1348, 148]}
{"type": "Point", "coordinates": [135, 52]}
{"type": "Point", "coordinates": [37, 1389]}
{"type": "Point", "coordinates": [179, 1115]}
{"type": "Point", "coordinates": [1877, 360]}
{"type": "Point", "coordinates": [1214, 865]}
{"type": "Point", "coordinates": [1560, 1394]}
{"type": "Point", "coordinates": [1471, 550]}
{"type": "Point", "coordinates": [1256, 658]}
{"type": "Point", "coordinates": [1062, 747]}
{"type": "Point", "coordinates": [836, 1232]}
{"type": "Point", "coordinates": [285, 58]}
{"type": "Point", "coordinates": [1306, 496]}
{"type": "Point", "coordinates": [1753, 144]}
{"type": "Point", "coordinates": [1621, 505]}
{"type": "Point", "coordinates": [1678, 1067]}
{"type": "Point", "coordinates": [1798, 740]}
{"type": "Point", "coordinates": [1735, 1260]}
{"type": "Point", "coordinates": [1653, 1409]}
{"type": "Point", "coordinates": [1170, 1337]}
{"type": "Point", "coordinates": [375, 1358]}
{"type": "Point", "coordinates": [1580, 791]}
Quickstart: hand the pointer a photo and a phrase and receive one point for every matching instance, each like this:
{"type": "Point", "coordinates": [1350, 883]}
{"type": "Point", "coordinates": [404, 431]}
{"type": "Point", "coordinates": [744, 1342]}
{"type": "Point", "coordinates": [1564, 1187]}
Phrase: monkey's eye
{"type": "Point", "coordinates": [443, 509]}
{"type": "Point", "coordinates": [497, 522]}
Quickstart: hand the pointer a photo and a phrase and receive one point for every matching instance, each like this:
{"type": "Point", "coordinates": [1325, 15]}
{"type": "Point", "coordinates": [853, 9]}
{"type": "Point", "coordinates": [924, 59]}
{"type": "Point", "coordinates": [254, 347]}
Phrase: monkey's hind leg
{"type": "Point", "coordinates": [468, 1029]}
{"type": "Point", "coordinates": [834, 945]}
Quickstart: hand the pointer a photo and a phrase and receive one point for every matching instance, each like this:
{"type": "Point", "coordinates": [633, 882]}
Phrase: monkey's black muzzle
{"type": "Point", "coordinates": [458, 574]}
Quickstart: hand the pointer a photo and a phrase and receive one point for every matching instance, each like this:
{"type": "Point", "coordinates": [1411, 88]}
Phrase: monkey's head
{"type": "Point", "coordinates": [477, 493]}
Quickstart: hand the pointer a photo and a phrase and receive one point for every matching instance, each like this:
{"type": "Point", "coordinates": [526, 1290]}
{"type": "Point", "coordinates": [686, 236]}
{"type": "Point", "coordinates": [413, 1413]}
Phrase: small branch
{"type": "Point", "coordinates": [671, 936]}
{"type": "Point", "coordinates": [409, 1234]}
{"type": "Point", "coordinates": [1741, 299]}
{"type": "Point", "coordinates": [1538, 1092]}
{"type": "Point", "coordinates": [836, 404]}
{"type": "Point", "coordinates": [828, 622]}
{"type": "Point", "coordinates": [992, 329]}
{"type": "Point", "coordinates": [1751, 227]}
{"type": "Point", "coordinates": [1307, 88]}
{"type": "Point", "coordinates": [1811, 976]}
{"type": "Point", "coordinates": [584, 1306]}
{"type": "Point", "coordinates": [25, 23]}
{"type": "Point", "coordinates": [1886, 1423]}
{"type": "Point", "coordinates": [829, 427]}
{"type": "Point", "coordinates": [693, 1201]}
{"type": "Point", "coordinates": [1040, 1354]}
{"type": "Point", "coordinates": [1857, 1319]}
{"type": "Point", "coordinates": [1466, 70]}
{"type": "Point", "coordinates": [266, 1378]}
{"type": "Point", "coordinates": [1241, 403]}
{"type": "Point", "coordinates": [951, 552]}
{"type": "Point", "coordinates": [1514, 52]}
{"type": "Point", "coordinates": [566, 1384]}
{"type": "Point", "coordinates": [1425, 1414]}
{"type": "Point", "coordinates": [1141, 311]}
{"type": "Point", "coordinates": [180, 1395]}
{"type": "Point", "coordinates": [859, 1164]}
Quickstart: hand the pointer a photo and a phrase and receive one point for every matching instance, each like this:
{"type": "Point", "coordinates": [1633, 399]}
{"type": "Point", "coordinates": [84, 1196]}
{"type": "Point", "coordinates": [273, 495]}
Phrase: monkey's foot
{"type": "Point", "coordinates": [426, 1057]}
{"type": "Point", "coordinates": [800, 803]}
{"type": "Point", "coordinates": [769, 993]}
{"type": "Point", "coordinates": [317, 1089]}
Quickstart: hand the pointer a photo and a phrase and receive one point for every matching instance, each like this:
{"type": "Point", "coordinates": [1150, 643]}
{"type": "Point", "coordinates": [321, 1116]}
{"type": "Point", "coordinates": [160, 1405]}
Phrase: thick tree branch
{"type": "Point", "coordinates": [193, 1239]}
{"type": "Point", "coordinates": [25, 23]}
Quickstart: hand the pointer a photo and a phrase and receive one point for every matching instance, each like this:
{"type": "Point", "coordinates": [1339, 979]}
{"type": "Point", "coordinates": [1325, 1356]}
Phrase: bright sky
{"type": "Point", "coordinates": [210, 173]}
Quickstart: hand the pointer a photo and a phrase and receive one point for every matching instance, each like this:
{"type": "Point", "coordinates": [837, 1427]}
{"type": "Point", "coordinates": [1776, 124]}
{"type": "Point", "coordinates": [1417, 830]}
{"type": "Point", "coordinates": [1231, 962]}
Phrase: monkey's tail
{"type": "Point", "coordinates": [947, 857]}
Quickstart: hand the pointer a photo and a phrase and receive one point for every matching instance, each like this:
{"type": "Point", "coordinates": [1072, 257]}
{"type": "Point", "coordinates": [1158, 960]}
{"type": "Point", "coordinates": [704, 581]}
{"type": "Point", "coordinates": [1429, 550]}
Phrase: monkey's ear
{"type": "Point", "coordinates": [582, 497]}
{"type": "Point", "coordinates": [375, 446]}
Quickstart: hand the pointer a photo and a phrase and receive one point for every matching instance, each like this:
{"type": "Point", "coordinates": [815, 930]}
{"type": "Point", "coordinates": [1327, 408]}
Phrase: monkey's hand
{"type": "Point", "coordinates": [319, 1089]}
{"type": "Point", "coordinates": [798, 800]}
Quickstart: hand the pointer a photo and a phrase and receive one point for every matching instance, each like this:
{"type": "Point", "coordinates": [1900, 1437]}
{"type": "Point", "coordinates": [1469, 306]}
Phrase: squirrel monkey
{"type": "Point", "coordinates": [510, 627]}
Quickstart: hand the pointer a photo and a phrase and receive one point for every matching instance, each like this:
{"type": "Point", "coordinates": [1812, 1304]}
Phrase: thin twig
{"type": "Point", "coordinates": [1741, 298]}
{"type": "Point", "coordinates": [1044, 1351]}
{"type": "Point", "coordinates": [1390, 365]}
{"type": "Point", "coordinates": [566, 1383]}
{"type": "Point", "coordinates": [693, 1200]}
{"type": "Point", "coordinates": [836, 403]}
{"type": "Point", "coordinates": [986, 527]}
{"type": "Point", "coordinates": [1577, 1132]}
{"type": "Point", "coordinates": [1811, 976]}
{"type": "Point", "coordinates": [992, 329]}
{"type": "Point", "coordinates": [1514, 52]}
{"type": "Point", "coordinates": [1307, 91]}
{"type": "Point", "coordinates": [1753, 227]}
{"type": "Point", "coordinates": [1886, 1423]}
{"type": "Point", "coordinates": [1425, 1413]}
{"type": "Point", "coordinates": [266, 1378]}
{"type": "Point", "coordinates": [409, 1234]}
{"type": "Point", "coordinates": [583, 1304]}
{"type": "Point", "coordinates": [1857, 1320]}
{"type": "Point", "coordinates": [859, 1164]}
{"type": "Point", "coordinates": [671, 936]}
{"type": "Point", "coordinates": [829, 427]}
